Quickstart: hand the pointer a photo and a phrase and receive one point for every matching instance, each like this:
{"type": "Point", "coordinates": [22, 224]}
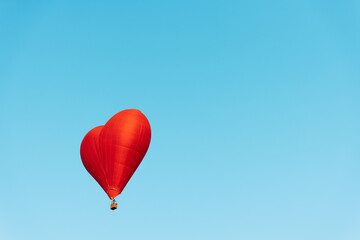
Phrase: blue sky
{"type": "Point", "coordinates": [254, 108]}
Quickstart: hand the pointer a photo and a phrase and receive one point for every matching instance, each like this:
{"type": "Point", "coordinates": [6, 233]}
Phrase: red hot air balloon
{"type": "Point", "coordinates": [111, 153]}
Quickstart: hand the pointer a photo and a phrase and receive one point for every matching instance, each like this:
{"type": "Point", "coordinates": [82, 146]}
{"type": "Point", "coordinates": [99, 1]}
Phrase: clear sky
{"type": "Point", "coordinates": [254, 108]}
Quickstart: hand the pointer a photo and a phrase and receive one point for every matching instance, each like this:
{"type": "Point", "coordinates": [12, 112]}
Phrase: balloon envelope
{"type": "Point", "coordinates": [112, 153]}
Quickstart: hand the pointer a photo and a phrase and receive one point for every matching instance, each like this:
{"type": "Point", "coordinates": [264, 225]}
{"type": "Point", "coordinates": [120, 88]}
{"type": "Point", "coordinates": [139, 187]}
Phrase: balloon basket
{"type": "Point", "coordinates": [113, 205]}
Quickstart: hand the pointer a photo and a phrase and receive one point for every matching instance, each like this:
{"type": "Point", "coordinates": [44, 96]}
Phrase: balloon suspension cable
{"type": "Point", "coordinates": [113, 205]}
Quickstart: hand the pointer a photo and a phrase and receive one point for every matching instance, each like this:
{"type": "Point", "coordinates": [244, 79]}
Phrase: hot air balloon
{"type": "Point", "coordinates": [111, 153]}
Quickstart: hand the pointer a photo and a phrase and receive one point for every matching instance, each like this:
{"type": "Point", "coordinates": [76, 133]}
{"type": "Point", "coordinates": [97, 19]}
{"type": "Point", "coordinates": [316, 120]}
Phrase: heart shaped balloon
{"type": "Point", "coordinates": [112, 153]}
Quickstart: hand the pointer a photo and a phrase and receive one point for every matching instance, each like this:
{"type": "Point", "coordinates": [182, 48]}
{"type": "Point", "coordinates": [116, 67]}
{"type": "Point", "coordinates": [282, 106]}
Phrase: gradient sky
{"type": "Point", "coordinates": [254, 108]}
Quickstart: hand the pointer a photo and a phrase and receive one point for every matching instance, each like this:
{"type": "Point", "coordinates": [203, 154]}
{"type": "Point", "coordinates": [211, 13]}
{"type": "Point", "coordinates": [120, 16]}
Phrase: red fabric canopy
{"type": "Point", "coordinates": [112, 153]}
